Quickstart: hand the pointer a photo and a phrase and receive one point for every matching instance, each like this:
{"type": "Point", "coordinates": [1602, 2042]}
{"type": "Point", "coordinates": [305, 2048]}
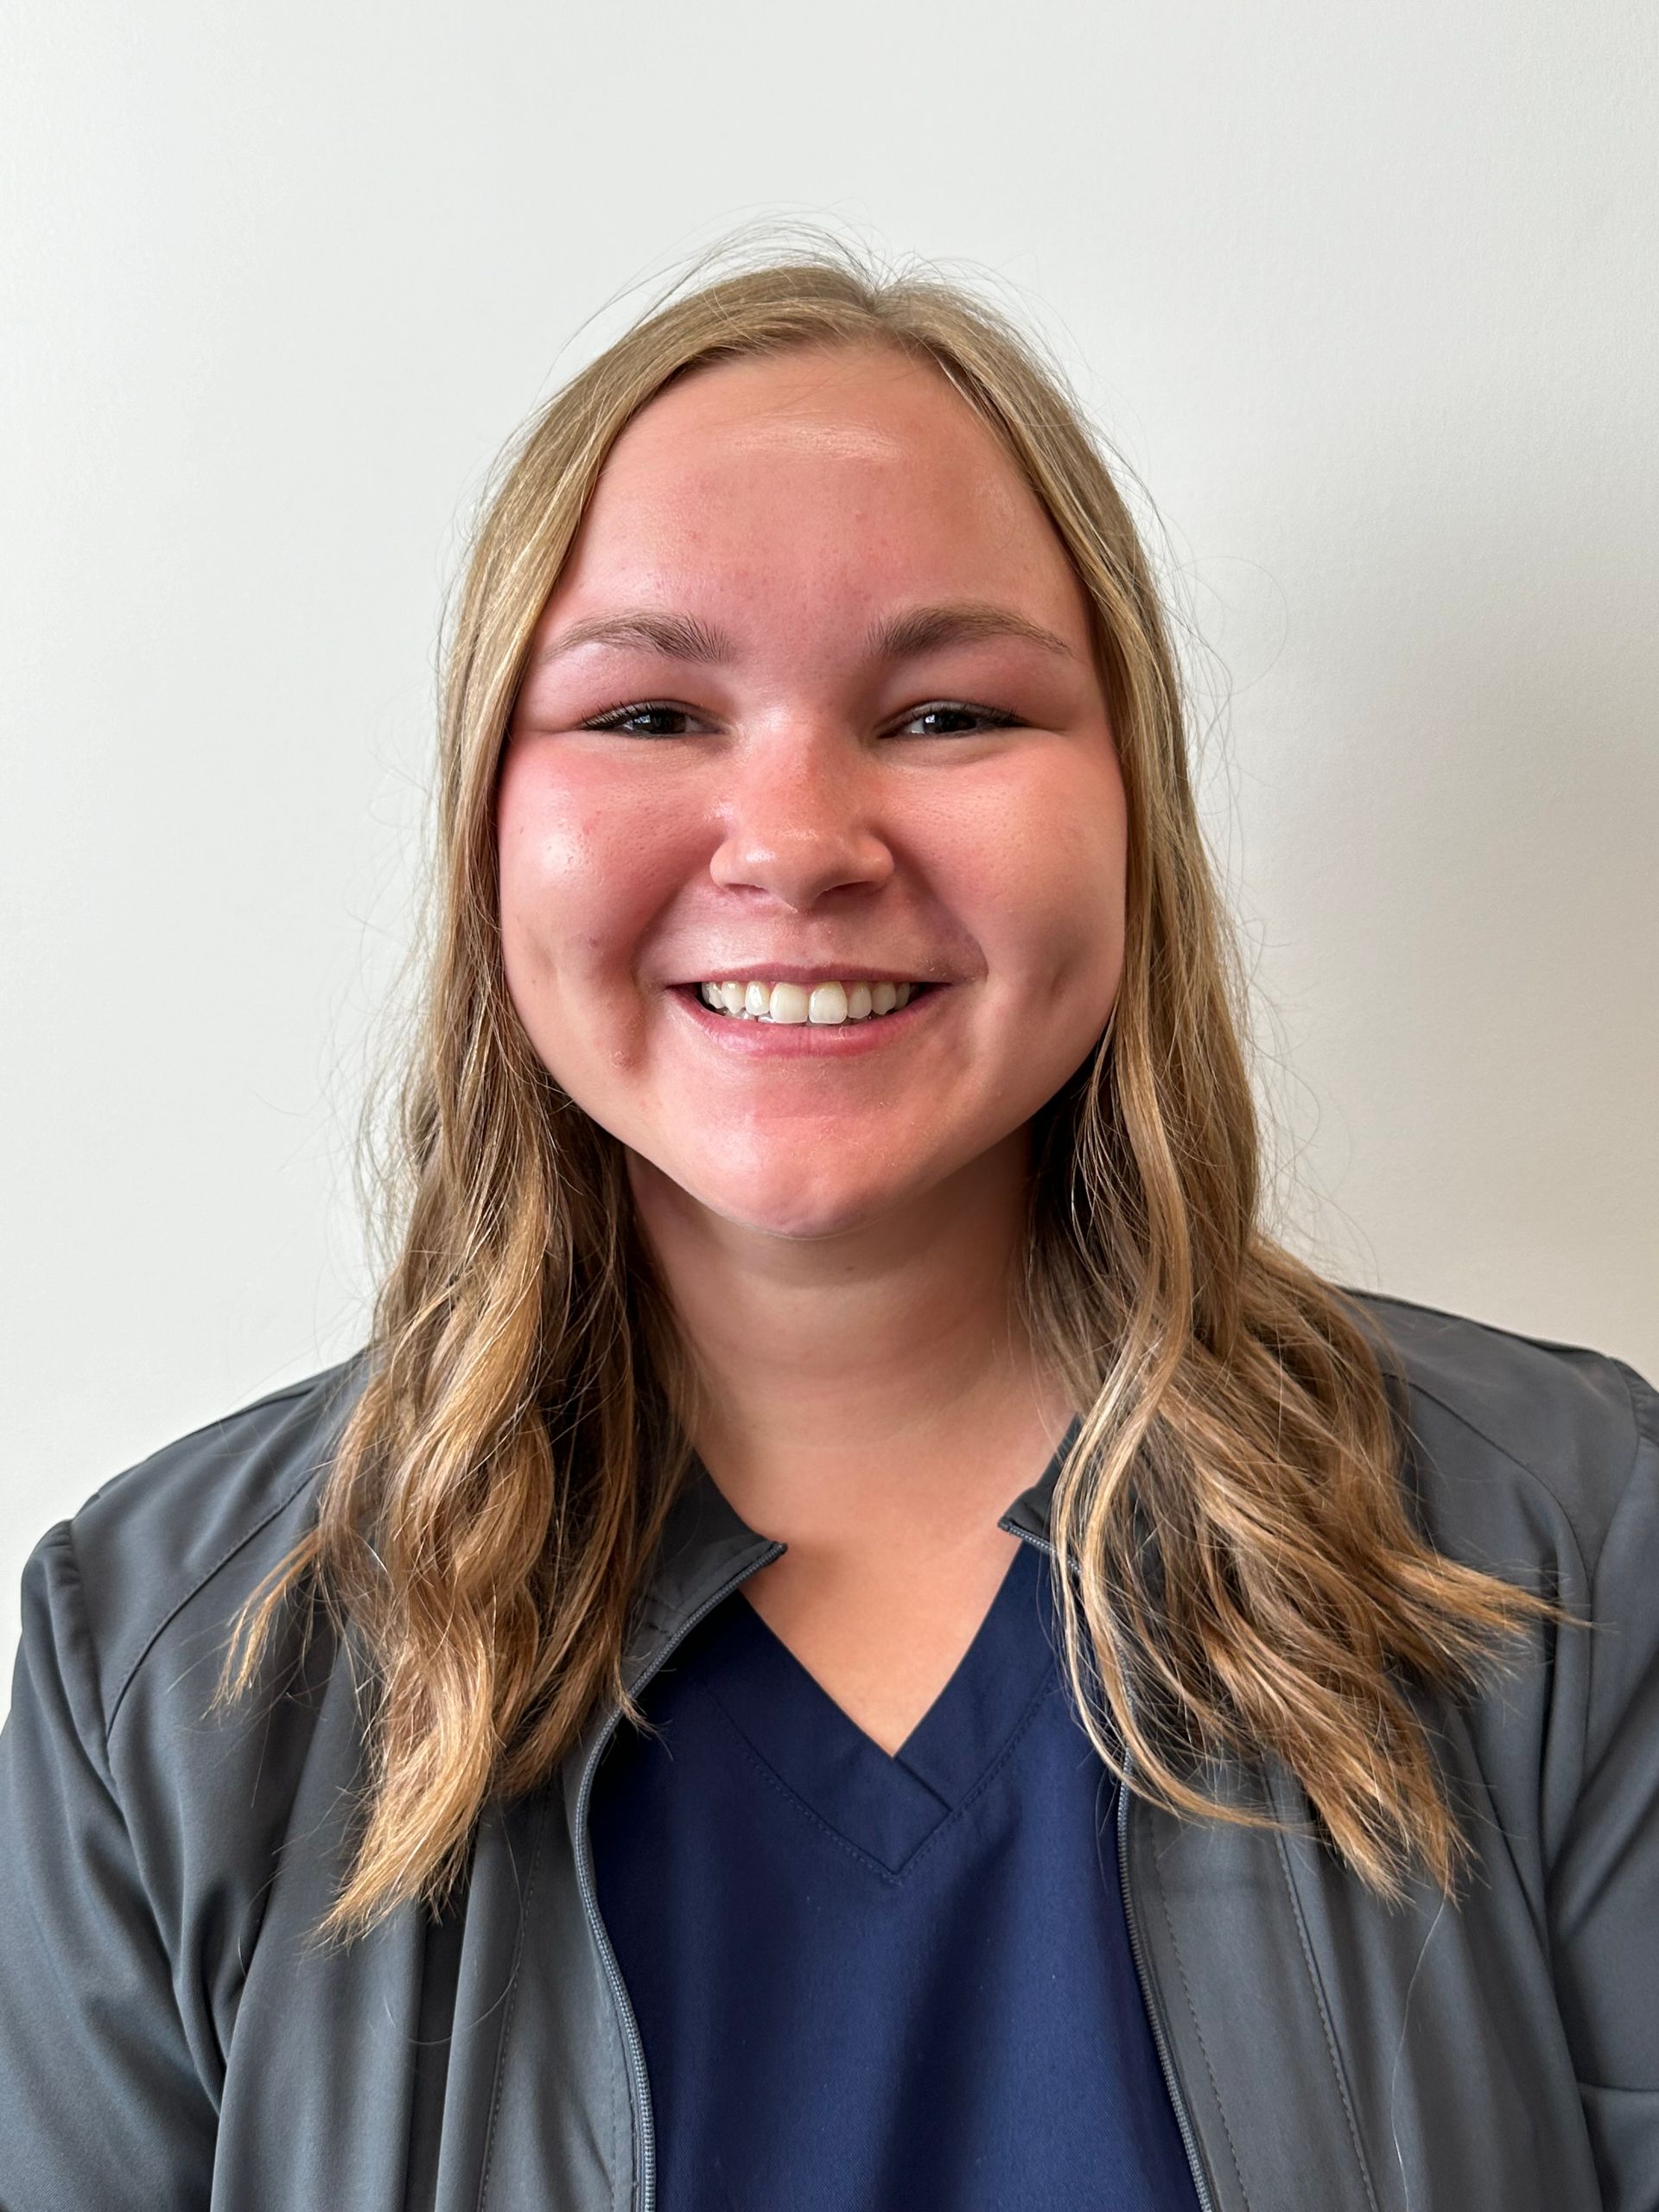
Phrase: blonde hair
{"type": "Point", "coordinates": [1240, 1574]}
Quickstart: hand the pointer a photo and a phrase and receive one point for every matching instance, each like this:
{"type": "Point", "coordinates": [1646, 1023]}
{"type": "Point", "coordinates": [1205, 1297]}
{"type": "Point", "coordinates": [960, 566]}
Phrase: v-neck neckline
{"type": "Point", "coordinates": [885, 1804]}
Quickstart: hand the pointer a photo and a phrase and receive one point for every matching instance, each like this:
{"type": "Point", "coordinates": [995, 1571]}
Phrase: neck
{"type": "Point", "coordinates": [875, 1379]}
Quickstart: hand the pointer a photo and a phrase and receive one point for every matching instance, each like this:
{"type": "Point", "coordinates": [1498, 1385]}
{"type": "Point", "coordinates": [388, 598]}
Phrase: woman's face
{"type": "Point", "coordinates": [813, 705]}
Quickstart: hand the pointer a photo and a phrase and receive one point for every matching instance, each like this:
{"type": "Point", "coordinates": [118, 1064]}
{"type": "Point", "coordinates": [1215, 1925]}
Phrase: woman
{"type": "Point", "coordinates": [859, 1636]}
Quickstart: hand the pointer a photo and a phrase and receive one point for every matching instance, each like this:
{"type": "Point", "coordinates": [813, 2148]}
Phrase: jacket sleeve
{"type": "Point", "coordinates": [101, 2103]}
{"type": "Point", "coordinates": [1603, 1888]}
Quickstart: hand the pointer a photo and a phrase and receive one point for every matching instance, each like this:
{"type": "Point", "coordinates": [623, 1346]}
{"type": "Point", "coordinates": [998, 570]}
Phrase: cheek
{"type": "Point", "coordinates": [581, 871]}
{"type": "Point", "coordinates": [1049, 871]}
{"type": "Point", "coordinates": [1076, 913]}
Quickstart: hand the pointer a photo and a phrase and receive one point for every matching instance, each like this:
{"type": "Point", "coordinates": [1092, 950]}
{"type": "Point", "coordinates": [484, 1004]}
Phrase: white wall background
{"type": "Point", "coordinates": [1367, 295]}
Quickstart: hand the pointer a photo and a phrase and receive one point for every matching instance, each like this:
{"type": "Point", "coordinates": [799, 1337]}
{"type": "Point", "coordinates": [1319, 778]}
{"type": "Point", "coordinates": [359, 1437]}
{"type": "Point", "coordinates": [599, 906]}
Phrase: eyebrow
{"type": "Point", "coordinates": [896, 637]}
{"type": "Point", "coordinates": [964, 622]}
{"type": "Point", "coordinates": [680, 636]}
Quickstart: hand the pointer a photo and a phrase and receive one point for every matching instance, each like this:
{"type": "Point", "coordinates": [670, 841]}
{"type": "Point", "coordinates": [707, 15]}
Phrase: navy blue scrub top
{"type": "Point", "coordinates": [875, 1983]}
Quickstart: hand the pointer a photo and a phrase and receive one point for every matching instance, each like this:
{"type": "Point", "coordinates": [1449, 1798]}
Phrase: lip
{"type": "Point", "coordinates": [791, 972]}
{"type": "Point", "coordinates": [804, 1039]}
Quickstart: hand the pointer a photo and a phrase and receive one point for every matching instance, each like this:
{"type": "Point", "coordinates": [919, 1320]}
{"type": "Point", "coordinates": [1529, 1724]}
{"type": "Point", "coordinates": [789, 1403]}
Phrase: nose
{"type": "Point", "coordinates": [799, 819]}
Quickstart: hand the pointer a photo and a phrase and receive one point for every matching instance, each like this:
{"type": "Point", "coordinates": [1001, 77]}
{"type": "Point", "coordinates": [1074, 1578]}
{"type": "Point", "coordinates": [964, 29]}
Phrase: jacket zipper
{"type": "Point", "coordinates": [1160, 2040]}
{"type": "Point", "coordinates": [639, 2084]}
{"type": "Point", "coordinates": [1182, 2118]}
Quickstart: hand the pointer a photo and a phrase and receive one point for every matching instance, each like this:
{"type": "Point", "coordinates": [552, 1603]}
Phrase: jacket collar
{"type": "Point", "coordinates": [707, 1549]}
{"type": "Point", "coordinates": [1028, 1515]}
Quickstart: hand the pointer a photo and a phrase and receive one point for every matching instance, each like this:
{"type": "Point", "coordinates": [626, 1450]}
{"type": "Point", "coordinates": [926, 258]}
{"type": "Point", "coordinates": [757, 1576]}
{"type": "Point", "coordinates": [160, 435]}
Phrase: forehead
{"type": "Point", "coordinates": [843, 462]}
{"type": "Point", "coordinates": [856, 403]}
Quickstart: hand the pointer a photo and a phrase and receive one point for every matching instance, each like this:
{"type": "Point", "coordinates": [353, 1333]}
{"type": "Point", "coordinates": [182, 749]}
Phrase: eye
{"type": "Point", "coordinates": [953, 718]}
{"type": "Point", "coordinates": [661, 712]}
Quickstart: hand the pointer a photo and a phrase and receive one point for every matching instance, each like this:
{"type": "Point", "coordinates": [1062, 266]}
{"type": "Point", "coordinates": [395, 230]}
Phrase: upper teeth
{"type": "Point", "coordinates": [825, 1002]}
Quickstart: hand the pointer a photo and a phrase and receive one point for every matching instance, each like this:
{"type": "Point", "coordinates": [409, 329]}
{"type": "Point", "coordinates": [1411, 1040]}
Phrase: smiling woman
{"type": "Point", "coordinates": [860, 1635]}
{"type": "Point", "coordinates": [861, 737]}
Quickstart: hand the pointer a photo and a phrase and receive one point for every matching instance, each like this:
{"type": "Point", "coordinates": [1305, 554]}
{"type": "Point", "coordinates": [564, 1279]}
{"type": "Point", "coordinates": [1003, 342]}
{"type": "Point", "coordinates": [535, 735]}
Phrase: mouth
{"type": "Point", "coordinates": [826, 1003]}
{"type": "Point", "coordinates": [833, 1015]}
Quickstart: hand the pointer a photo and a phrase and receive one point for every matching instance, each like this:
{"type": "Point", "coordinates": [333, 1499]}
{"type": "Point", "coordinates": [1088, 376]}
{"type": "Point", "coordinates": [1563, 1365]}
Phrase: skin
{"type": "Point", "coordinates": [836, 1216]}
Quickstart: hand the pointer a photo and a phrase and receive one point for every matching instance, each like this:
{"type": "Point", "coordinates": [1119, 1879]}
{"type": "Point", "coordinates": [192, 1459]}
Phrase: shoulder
{"type": "Point", "coordinates": [113, 1757]}
{"type": "Point", "coordinates": [1539, 1462]}
{"type": "Point", "coordinates": [1507, 1432]}
{"type": "Point", "coordinates": [192, 1529]}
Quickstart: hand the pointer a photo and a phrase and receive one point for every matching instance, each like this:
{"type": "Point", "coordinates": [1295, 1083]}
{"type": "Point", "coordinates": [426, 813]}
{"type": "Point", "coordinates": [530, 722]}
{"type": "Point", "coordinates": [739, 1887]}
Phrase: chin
{"type": "Point", "coordinates": [784, 1203]}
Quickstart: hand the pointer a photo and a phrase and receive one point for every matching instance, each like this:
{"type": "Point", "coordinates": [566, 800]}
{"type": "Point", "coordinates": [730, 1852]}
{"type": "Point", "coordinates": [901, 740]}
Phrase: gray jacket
{"type": "Point", "coordinates": [168, 2041]}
